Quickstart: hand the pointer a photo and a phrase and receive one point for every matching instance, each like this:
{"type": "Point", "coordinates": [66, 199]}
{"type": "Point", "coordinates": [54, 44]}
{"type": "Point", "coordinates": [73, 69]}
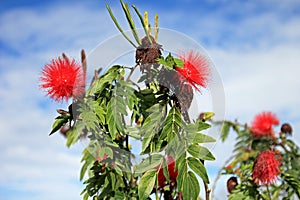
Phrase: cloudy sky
{"type": "Point", "coordinates": [255, 46]}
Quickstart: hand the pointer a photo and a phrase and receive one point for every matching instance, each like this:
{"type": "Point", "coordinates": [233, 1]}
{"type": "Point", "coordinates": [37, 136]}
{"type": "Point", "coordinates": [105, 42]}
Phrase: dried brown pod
{"type": "Point", "coordinates": [231, 184]}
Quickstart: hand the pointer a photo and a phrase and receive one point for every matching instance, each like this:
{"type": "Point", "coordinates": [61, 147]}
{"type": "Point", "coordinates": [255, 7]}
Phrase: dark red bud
{"type": "Point", "coordinates": [231, 184]}
{"type": "Point", "coordinates": [286, 128]}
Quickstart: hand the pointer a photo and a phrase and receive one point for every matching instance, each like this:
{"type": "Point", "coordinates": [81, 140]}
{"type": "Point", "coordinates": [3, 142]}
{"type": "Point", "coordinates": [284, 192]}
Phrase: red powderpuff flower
{"type": "Point", "coordinates": [172, 173]}
{"type": "Point", "coordinates": [266, 167]}
{"type": "Point", "coordinates": [195, 69]}
{"type": "Point", "coordinates": [262, 125]}
{"type": "Point", "coordinates": [62, 79]}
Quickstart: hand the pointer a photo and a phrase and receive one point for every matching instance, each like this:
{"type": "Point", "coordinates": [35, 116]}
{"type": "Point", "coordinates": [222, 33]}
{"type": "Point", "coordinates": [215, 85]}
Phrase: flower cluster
{"type": "Point", "coordinates": [266, 167]}
{"type": "Point", "coordinates": [195, 70]}
{"type": "Point", "coordinates": [263, 123]}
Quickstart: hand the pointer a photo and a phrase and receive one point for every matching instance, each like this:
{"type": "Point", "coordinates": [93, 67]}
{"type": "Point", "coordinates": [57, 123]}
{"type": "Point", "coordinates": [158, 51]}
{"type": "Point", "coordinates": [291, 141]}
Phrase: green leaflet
{"type": "Point", "coordinates": [191, 187]}
{"type": "Point", "coordinates": [149, 163]}
{"type": "Point", "coordinates": [146, 184]}
{"type": "Point", "coordinates": [59, 122]}
{"type": "Point", "coordinates": [152, 124]}
{"type": "Point", "coordinates": [200, 152]}
{"type": "Point", "coordinates": [123, 97]}
{"type": "Point", "coordinates": [198, 168]}
{"type": "Point", "coordinates": [170, 62]}
{"type": "Point", "coordinates": [106, 79]}
{"type": "Point", "coordinates": [172, 124]}
{"type": "Point", "coordinates": [225, 130]}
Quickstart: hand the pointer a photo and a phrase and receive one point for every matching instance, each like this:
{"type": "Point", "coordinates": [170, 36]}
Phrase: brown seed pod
{"type": "Point", "coordinates": [286, 128]}
{"type": "Point", "coordinates": [231, 184]}
{"type": "Point", "coordinates": [64, 130]}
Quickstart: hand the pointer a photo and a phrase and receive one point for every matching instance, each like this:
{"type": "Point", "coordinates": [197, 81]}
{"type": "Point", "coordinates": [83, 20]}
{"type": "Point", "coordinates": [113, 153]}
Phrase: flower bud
{"type": "Point", "coordinates": [286, 128]}
{"type": "Point", "coordinates": [231, 184]}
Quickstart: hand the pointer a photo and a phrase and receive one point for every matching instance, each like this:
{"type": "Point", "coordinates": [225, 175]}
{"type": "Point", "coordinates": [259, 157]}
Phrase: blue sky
{"type": "Point", "coordinates": [255, 46]}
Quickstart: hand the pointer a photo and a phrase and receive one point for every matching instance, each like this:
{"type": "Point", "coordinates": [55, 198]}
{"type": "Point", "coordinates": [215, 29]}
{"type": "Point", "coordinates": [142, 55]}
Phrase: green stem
{"type": "Point", "coordinates": [269, 193]}
{"type": "Point", "coordinates": [131, 72]}
{"type": "Point", "coordinates": [118, 26]}
{"type": "Point", "coordinates": [130, 21]}
{"type": "Point", "coordinates": [143, 23]}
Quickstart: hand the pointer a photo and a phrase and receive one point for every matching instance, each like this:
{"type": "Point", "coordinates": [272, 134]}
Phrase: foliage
{"type": "Point", "coordinates": [241, 163]}
{"type": "Point", "coordinates": [116, 113]}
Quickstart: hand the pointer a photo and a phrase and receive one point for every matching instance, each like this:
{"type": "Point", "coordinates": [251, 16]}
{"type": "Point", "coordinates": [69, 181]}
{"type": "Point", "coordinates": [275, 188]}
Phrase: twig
{"type": "Point", "coordinates": [131, 72]}
{"type": "Point", "coordinates": [269, 194]}
{"type": "Point", "coordinates": [207, 190]}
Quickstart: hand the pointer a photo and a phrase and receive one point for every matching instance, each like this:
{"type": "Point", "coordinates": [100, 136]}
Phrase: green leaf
{"type": "Point", "coordinates": [149, 163]}
{"type": "Point", "coordinates": [170, 62]}
{"type": "Point", "coordinates": [106, 79]}
{"type": "Point", "coordinates": [75, 133]}
{"type": "Point", "coordinates": [59, 122]}
{"type": "Point", "coordinates": [152, 124]}
{"type": "Point", "coordinates": [182, 172]}
{"type": "Point", "coordinates": [172, 124]}
{"type": "Point", "coordinates": [88, 160]}
{"type": "Point", "coordinates": [88, 114]}
{"type": "Point", "coordinates": [200, 152]}
{"type": "Point", "coordinates": [146, 184]}
{"type": "Point", "coordinates": [196, 127]}
{"type": "Point", "coordinates": [166, 170]}
{"type": "Point", "coordinates": [199, 138]}
{"type": "Point", "coordinates": [191, 187]}
{"type": "Point", "coordinates": [106, 150]}
{"type": "Point", "coordinates": [114, 118]}
{"type": "Point", "coordinates": [178, 62]}
{"type": "Point", "coordinates": [225, 131]}
{"type": "Point", "coordinates": [198, 168]}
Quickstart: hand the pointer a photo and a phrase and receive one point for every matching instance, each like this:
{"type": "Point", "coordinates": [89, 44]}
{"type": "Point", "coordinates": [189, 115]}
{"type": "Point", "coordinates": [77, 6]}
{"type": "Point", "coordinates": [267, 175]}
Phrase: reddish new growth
{"type": "Point", "coordinates": [266, 167]}
{"type": "Point", "coordinates": [172, 173]}
{"type": "Point", "coordinates": [195, 70]}
{"type": "Point", "coordinates": [63, 79]}
{"type": "Point", "coordinates": [262, 125]}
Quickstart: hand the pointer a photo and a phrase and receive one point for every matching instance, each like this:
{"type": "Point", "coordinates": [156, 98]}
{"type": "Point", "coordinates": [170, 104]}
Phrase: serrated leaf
{"type": "Point", "coordinates": [198, 168]}
{"type": "Point", "coordinates": [200, 152]}
{"type": "Point", "coordinates": [146, 184]}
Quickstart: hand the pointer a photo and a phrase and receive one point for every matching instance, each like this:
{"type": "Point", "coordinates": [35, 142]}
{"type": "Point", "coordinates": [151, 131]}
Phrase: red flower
{"type": "Point", "coordinates": [195, 70]}
{"type": "Point", "coordinates": [62, 79]}
{"type": "Point", "coordinates": [262, 125]}
{"type": "Point", "coordinates": [172, 173]}
{"type": "Point", "coordinates": [266, 167]}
